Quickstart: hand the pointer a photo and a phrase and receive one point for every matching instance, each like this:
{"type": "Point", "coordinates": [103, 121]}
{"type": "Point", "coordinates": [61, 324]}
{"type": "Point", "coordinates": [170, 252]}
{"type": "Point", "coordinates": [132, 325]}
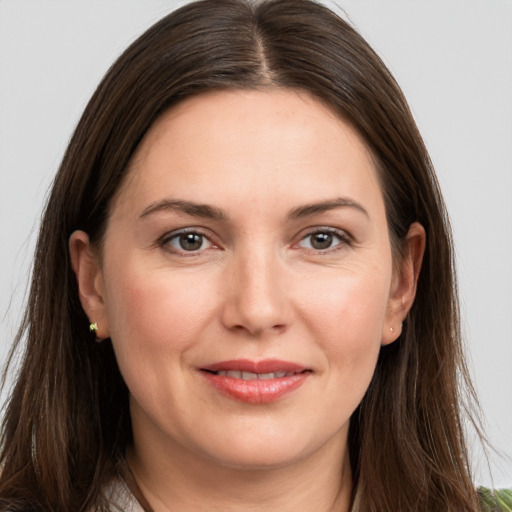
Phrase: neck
{"type": "Point", "coordinates": [185, 482]}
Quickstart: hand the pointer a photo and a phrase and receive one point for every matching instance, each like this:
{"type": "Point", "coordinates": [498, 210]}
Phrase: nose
{"type": "Point", "coordinates": [256, 300]}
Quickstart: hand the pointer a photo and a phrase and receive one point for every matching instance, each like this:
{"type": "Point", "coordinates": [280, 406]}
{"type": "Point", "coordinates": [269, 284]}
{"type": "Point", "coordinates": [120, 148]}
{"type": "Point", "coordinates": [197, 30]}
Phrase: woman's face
{"type": "Point", "coordinates": [246, 279]}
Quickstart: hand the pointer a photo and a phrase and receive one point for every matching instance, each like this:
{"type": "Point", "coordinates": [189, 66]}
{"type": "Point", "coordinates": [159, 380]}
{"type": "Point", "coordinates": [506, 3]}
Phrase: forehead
{"type": "Point", "coordinates": [262, 144]}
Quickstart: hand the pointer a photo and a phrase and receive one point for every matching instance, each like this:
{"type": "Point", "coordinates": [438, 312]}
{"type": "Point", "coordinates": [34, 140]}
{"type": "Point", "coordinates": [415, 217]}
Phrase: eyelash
{"type": "Point", "coordinates": [344, 239]}
{"type": "Point", "coordinates": [166, 239]}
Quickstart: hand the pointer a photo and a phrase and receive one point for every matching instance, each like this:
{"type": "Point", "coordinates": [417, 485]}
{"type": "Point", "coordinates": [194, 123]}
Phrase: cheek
{"type": "Point", "coordinates": [347, 316]}
{"type": "Point", "coordinates": [150, 310]}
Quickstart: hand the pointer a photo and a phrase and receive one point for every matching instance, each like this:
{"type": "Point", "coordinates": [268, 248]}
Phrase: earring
{"type": "Point", "coordinates": [391, 329]}
{"type": "Point", "coordinates": [93, 327]}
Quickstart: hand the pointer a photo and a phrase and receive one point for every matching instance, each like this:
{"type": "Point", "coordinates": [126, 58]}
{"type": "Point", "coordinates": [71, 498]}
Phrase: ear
{"type": "Point", "coordinates": [86, 264]}
{"type": "Point", "coordinates": [404, 282]}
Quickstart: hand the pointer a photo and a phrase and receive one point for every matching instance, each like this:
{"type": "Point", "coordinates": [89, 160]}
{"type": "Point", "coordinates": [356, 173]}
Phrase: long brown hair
{"type": "Point", "coordinates": [67, 422]}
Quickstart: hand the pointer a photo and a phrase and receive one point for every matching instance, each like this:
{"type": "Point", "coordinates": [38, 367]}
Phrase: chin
{"type": "Point", "coordinates": [267, 452]}
{"type": "Point", "coordinates": [258, 461]}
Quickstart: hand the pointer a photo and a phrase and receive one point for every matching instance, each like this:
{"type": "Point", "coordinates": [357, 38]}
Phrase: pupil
{"type": "Point", "coordinates": [322, 240]}
{"type": "Point", "coordinates": [191, 241]}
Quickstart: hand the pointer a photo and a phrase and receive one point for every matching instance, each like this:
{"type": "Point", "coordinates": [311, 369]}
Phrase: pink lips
{"type": "Point", "coordinates": [255, 382]}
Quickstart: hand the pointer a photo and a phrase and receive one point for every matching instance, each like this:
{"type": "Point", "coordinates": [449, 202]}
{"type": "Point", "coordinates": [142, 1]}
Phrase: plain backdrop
{"type": "Point", "coordinates": [453, 58]}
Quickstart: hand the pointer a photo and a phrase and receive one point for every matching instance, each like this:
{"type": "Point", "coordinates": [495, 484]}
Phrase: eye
{"type": "Point", "coordinates": [323, 240]}
{"type": "Point", "coordinates": [189, 241]}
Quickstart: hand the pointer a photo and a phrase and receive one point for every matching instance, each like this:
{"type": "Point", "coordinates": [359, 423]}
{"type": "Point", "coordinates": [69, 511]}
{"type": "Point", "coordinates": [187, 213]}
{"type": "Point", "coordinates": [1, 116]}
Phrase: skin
{"type": "Point", "coordinates": [257, 288]}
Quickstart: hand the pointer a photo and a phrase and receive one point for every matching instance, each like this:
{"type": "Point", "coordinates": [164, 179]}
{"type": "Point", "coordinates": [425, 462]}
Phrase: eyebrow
{"type": "Point", "coordinates": [324, 206]}
{"type": "Point", "coordinates": [186, 207]}
{"type": "Point", "coordinates": [211, 212]}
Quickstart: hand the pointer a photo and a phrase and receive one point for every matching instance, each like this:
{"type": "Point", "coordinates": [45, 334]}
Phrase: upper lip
{"type": "Point", "coordinates": [263, 366]}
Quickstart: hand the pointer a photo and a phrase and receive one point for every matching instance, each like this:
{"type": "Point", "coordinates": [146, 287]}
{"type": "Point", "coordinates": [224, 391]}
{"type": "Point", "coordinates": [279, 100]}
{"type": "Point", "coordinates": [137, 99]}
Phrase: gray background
{"type": "Point", "coordinates": [454, 62]}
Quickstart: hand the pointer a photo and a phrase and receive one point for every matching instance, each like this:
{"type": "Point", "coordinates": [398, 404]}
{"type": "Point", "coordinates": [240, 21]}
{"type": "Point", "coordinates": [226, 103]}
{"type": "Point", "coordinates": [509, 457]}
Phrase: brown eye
{"type": "Point", "coordinates": [188, 242]}
{"type": "Point", "coordinates": [323, 240]}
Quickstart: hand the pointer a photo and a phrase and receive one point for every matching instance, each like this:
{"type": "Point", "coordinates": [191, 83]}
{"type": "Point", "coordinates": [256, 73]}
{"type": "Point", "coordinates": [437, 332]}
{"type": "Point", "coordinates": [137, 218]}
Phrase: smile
{"type": "Point", "coordinates": [252, 382]}
{"type": "Point", "coordinates": [253, 376]}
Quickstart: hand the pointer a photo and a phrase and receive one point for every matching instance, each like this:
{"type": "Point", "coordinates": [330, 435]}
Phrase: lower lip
{"type": "Point", "coordinates": [255, 391]}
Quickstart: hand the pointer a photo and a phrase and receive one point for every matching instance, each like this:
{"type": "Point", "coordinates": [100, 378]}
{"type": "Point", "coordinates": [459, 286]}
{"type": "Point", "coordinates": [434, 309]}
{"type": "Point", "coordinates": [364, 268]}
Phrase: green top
{"type": "Point", "coordinates": [495, 501]}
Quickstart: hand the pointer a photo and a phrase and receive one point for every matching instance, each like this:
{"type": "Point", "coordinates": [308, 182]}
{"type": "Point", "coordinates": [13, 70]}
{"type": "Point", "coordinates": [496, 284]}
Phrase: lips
{"type": "Point", "coordinates": [255, 382]}
{"type": "Point", "coordinates": [252, 376]}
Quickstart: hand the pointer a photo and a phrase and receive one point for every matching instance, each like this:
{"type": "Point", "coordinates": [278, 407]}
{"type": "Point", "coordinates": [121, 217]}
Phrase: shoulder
{"type": "Point", "coordinates": [495, 500]}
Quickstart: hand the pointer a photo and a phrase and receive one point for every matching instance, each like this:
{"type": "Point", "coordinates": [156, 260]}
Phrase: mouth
{"type": "Point", "coordinates": [255, 382]}
{"type": "Point", "coordinates": [253, 376]}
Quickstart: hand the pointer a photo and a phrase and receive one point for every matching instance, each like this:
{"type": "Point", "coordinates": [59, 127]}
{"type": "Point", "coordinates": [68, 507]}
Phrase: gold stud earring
{"type": "Point", "coordinates": [93, 327]}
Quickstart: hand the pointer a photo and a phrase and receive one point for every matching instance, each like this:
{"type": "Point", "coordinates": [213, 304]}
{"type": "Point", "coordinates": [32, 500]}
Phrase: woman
{"type": "Point", "coordinates": [247, 222]}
